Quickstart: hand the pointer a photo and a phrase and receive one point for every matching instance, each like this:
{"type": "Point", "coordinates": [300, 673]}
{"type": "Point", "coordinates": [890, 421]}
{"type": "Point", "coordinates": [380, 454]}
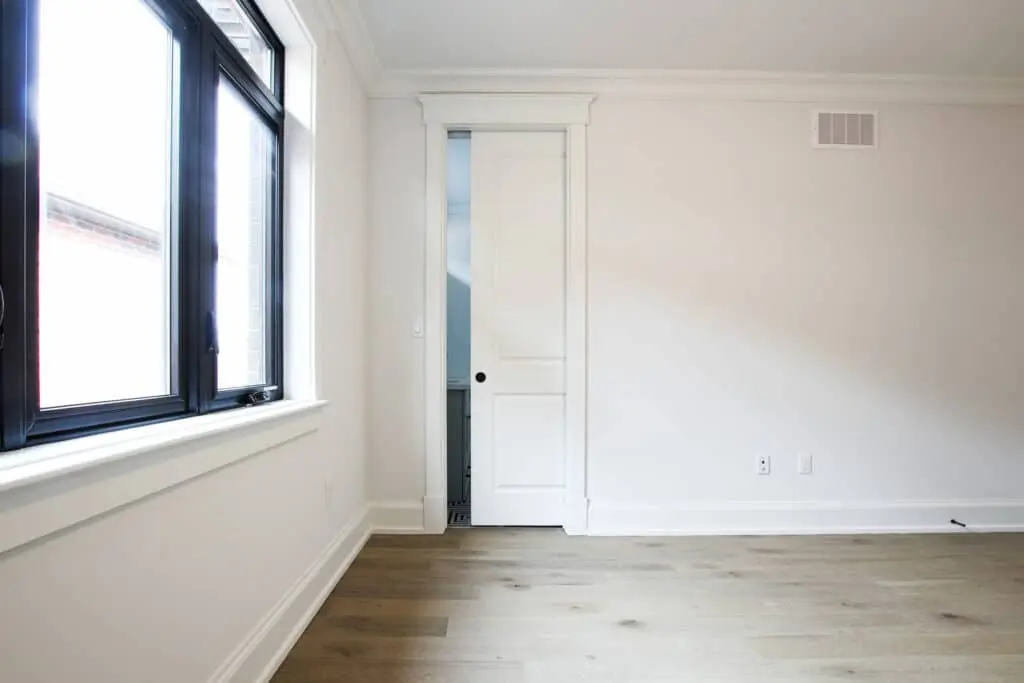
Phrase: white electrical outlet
{"type": "Point", "coordinates": [764, 464]}
{"type": "Point", "coordinates": [806, 465]}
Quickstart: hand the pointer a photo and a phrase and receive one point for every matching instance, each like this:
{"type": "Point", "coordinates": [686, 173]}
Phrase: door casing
{"type": "Point", "coordinates": [566, 113]}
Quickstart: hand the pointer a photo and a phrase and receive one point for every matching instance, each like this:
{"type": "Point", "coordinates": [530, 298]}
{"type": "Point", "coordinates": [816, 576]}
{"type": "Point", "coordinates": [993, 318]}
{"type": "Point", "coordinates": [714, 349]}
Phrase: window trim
{"type": "Point", "coordinates": [201, 51]}
{"type": "Point", "coordinates": [93, 475]}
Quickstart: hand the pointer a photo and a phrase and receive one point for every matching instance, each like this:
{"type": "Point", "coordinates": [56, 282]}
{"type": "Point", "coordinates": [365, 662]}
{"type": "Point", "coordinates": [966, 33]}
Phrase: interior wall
{"type": "Point", "coordinates": [750, 295]}
{"type": "Point", "coordinates": [397, 160]}
{"type": "Point", "coordinates": [164, 590]}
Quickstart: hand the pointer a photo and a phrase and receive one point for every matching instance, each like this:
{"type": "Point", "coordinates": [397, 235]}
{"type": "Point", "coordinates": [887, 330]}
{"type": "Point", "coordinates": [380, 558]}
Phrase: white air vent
{"type": "Point", "coordinates": [845, 130]}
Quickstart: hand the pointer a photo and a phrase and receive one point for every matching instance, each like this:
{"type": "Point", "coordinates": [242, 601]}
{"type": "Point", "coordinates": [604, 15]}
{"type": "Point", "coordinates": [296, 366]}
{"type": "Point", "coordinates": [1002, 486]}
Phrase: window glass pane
{"type": "Point", "coordinates": [245, 176]}
{"type": "Point", "coordinates": [238, 27]}
{"type": "Point", "coordinates": [105, 130]}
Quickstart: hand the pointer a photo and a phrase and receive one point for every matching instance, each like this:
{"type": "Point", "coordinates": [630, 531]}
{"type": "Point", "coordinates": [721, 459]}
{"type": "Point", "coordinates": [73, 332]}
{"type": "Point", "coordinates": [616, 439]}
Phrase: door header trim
{"type": "Point", "coordinates": [506, 110]}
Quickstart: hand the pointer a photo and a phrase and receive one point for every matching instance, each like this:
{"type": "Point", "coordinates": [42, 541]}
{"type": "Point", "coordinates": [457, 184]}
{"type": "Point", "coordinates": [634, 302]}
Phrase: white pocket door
{"type": "Point", "coordinates": [518, 344]}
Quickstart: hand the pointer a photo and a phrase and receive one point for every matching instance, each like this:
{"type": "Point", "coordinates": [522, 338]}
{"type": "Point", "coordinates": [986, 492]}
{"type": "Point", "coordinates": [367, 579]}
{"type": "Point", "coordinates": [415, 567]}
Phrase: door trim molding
{"type": "Point", "coordinates": [571, 115]}
{"type": "Point", "coordinates": [507, 111]}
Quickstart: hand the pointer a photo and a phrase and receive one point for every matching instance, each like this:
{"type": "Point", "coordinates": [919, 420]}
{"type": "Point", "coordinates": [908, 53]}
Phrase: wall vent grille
{"type": "Point", "coordinates": [845, 130]}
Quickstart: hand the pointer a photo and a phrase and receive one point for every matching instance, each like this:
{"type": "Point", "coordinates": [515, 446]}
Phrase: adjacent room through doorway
{"type": "Point", "coordinates": [505, 302]}
{"type": "Point", "coordinates": [458, 327]}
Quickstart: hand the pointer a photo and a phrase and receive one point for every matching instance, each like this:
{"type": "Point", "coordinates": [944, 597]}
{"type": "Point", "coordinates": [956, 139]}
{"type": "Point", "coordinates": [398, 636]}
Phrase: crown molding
{"type": "Point", "coordinates": [705, 85]}
{"type": "Point", "coordinates": [345, 20]}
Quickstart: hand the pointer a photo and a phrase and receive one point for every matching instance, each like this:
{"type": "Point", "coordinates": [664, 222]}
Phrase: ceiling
{"type": "Point", "coordinates": [941, 37]}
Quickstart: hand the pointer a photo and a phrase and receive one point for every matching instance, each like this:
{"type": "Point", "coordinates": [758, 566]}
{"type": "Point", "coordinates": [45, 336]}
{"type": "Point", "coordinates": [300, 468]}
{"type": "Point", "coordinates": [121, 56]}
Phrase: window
{"type": "Point", "coordinates": [245, 185]}
{"type": "Point", "coordinates": [140, 199]}
{"type": "Point", "coordinates": [234, 21]}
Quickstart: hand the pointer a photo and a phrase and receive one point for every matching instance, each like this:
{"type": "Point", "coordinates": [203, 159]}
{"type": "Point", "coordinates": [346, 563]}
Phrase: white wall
{"type": "Point", "coordinates": [396, 387]}
{"type": "Point", "coordinates": [751, 295]}
{"type": "Point", "coordinates": [165, 589]}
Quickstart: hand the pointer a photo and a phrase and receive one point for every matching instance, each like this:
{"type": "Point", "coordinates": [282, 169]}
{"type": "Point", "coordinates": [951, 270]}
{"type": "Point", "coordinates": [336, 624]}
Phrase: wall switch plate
{"type": "Point", "coordinates": [417, 327]}
{"type": "Point", "coordinates": [764, 464]}
{"type": "Point", "coordinates": [806, 464]}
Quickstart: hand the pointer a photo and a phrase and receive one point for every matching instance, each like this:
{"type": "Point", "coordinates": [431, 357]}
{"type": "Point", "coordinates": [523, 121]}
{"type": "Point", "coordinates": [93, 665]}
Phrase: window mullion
{"type": "Point", "coordinates": [19, 201]}
{"type": "Point", "coordinates": [203, 229]}
{"type": "Point", "coordinates": [275, 270]}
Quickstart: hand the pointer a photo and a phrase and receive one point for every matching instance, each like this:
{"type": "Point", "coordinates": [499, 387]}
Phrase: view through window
{"type": "Point", "coordinates": [104, 276]}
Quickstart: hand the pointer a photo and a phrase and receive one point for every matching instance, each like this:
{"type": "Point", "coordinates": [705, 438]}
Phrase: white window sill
{"type": "Point", "coordinates": [46, 488]}
{"type": "Point", "coordinates": [39, 463]}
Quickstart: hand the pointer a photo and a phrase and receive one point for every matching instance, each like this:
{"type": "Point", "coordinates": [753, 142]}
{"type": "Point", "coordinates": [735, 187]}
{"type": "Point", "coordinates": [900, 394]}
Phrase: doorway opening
{"type": "Point", "coordinates": [458, 329]}
{"type": "Point", "coordinates": [528, 282]}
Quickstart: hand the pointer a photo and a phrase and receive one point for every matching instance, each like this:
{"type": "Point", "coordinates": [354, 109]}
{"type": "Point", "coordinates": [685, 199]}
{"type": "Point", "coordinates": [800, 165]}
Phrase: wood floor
{"type": "Point", "coordinates": [504, 606]}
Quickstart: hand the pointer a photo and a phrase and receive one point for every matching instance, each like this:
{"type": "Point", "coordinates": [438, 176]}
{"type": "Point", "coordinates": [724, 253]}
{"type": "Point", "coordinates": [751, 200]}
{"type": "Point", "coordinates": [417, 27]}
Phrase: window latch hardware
{"type": "Point", "coordinates": [211, 333]}
{"type": "Point", "coordinates": [3, 309]}
{"type": "Point", "coordinates": [260, 396]}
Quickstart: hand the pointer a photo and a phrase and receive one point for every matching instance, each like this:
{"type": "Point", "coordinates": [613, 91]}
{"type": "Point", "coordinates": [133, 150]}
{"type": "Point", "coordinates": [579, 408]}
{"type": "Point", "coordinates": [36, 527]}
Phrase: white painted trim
{"type": "Point", "coordinates": [576, 330]}
{"type": "Point", "coordinates": [258, 657]}
{"type": "Point", "coordinates": [435, 327]}
{"type": "Point", "coordinates": [506, 110]}
{"type": "Point", "coordinates": [36, 464]}
{"type": "Point", "coordinates": [577, 519]}
{"type": "Point", "coordinates": [706, 85]}
{"type": "Point", "coordinates": [398, 517]}
{"type": "Point", "coordinates": [784, 518]}
{"type": "Point", "coordinates": [345, 20]}
{"type": "Point", "coordinates": [47, 491]}
{"type": "Point", "coordinates": [288, 24]}
{"type": "Point", "coordinates": [569, 113]}
{"type": "Point", "coordinates": [435, 511]}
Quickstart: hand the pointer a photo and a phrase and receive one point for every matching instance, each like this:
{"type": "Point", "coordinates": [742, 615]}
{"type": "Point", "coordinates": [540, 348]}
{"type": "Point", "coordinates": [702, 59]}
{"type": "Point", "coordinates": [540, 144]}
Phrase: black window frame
{"type": "Point", "coordinates": [203, 52]}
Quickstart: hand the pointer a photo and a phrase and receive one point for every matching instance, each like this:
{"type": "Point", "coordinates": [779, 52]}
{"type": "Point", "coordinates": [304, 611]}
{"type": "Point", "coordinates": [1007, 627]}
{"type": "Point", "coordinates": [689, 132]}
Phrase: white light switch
{"type": "Point", "coordinates": [417, 327]}
{"type": "Point", "coordinates": [806, 465]}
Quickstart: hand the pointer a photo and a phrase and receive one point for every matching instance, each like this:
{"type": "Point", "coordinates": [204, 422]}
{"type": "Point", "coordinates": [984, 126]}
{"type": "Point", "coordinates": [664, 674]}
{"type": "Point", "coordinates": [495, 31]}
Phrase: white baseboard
{"type": "Point", "coordinates": [435, 514]}
{"type": "Point", "coordinates": [259, 656]}
{"type": "Point", "coordinates": [782, 518]}
{"type": "Point", "coordinates": [399, 517]}
{"type": "Point", "coordinates": [576, 510]}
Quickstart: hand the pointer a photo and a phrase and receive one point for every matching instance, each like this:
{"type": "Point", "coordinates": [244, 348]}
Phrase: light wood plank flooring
{"type": "Point", "coordinates": [532, 606]}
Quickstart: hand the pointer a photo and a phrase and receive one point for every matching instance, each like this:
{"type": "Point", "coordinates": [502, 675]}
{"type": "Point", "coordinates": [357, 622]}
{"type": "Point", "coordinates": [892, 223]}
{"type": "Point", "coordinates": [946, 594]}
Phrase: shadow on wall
{"type": "Point", "coordinates": [871, 304]}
